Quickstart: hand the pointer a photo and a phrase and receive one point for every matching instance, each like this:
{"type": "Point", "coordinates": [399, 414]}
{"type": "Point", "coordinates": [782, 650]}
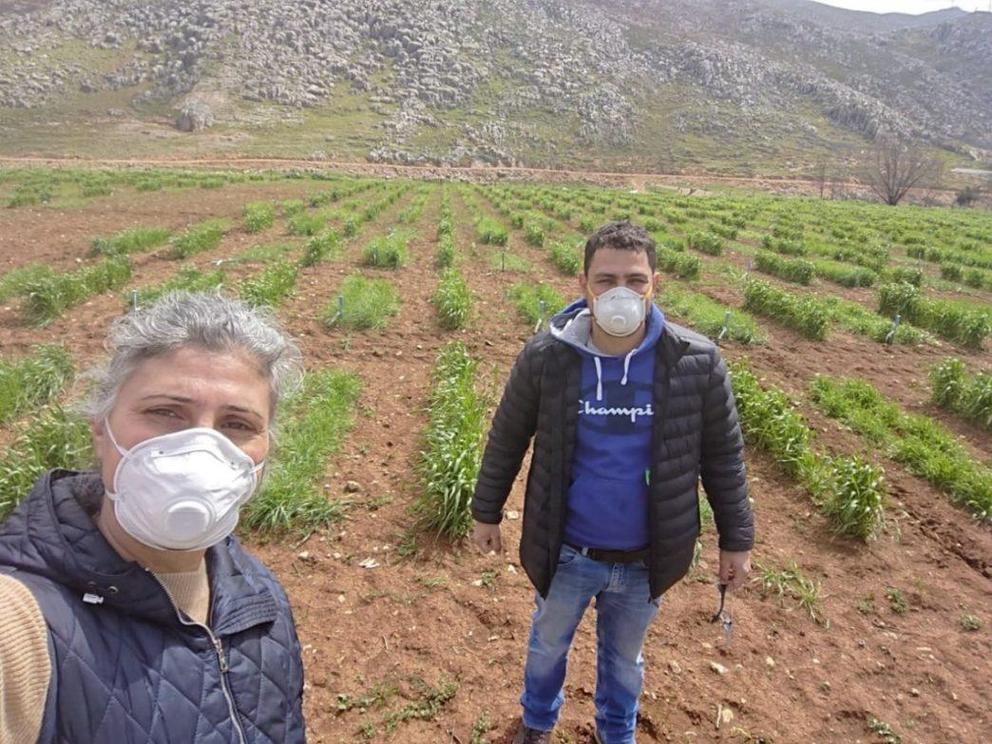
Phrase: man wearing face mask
{"type": "Point", "coordinates": [628, 411]}
{"type": "Point", "coordinates": [128, 610]}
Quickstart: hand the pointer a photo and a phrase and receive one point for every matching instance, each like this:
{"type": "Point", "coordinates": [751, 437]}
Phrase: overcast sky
{"type": "Point", "coordinates": [907, 6]}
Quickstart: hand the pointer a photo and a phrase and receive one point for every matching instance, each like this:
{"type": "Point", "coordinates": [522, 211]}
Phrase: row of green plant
{"type": "Point", "coordinates": [272, 286]}
{"type": "Point", "coordinates": [963, 323]}
{"type": "Point", "coordinates": [55, 438]}
{"type": "Point", "coordinates": [491, 232]}
{"type": "Point", "coordinates": [795, 270]}
{"type": "Point", "coordinates": [198, 238]}
{"type": "Point", "coordinates": [135, 240]}
{"type": "Point", "coordinates": [567, 256]}
{"type": "Point", "coordinates": [919, 443]}
{"type": "Point", "coordinates": [362, 304]}
{"type": "Point", "coordinates": [709, 317]}
{"type": "Point", "coordinates": [952, 387]}
{"type": "Point", "coordinates": [535, 303]}
{"type": "Point", "coordinates": [844, 274]}
{"type": "Point", "coordinates": [325, 246]}
{"type": "Point", "coordinates": [258, 216]}
{"type": "Point", "coordinates": [316, 422]}
{"type": "Point", "coordinates": [47, 298]}
{"type": "Point", "coordinates": [452, 300]}
{"type": "Point", "coordinates": [32, 381]}
{"type": "Point", "coordinates": [452, 454]}
{"type": "Point", "coordinates": [849, 491]}
{"type": "Point", "coordinates": [389, 251]}
{"type": "Point", "coordinates": [16, 281]}
{"type": "Point", "coordinates": [977, 278]}
{"type": "Point", "coordinates": [188, 278]}
{"type": "Point", "coordinates": [673, 259]}
{"type": "Point", "coordinates": [445, 254]}
{"type": "Point", "coordinates": [803, 314]}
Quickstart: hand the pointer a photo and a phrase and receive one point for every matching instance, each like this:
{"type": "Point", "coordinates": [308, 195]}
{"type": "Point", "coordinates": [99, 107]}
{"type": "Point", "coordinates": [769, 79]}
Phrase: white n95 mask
{"type": "Point", "coordinates": [182, 491]}
{"type": "Point", "coordinates": [619, 311]}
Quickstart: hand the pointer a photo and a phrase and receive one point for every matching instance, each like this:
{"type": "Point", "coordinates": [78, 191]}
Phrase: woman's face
{"type": "Point", "coordinates": [189, 387]}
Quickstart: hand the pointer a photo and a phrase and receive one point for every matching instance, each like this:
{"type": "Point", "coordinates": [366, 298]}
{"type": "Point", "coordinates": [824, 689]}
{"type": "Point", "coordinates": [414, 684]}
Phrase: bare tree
{"type": "Point", "coordinates": [820, 174]}
{"type": "Point", "coordinates": [897, 167]}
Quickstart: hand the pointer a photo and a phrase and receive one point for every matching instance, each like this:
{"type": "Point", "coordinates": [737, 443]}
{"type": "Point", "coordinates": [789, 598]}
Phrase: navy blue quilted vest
{"type": "Point", "coordinates": [126, 668]}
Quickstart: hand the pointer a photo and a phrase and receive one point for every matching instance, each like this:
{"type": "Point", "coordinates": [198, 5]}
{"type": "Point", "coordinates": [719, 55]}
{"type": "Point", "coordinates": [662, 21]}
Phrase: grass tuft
{"type": "Point", "coordinates": [449, 464]}
{"type": "Point", "coordinates": [363, 304]}
{"type": "Point", "coordinates": [291, 498]}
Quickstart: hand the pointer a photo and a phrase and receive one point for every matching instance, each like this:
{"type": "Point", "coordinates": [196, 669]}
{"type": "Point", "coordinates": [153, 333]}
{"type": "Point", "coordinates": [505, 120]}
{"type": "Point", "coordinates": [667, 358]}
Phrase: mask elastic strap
{"type": "Point", "coordinates": [110, 432]}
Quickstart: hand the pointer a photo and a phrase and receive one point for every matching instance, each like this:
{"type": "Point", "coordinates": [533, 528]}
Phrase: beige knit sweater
{"type": "Point", "coordinates": [25, 667]}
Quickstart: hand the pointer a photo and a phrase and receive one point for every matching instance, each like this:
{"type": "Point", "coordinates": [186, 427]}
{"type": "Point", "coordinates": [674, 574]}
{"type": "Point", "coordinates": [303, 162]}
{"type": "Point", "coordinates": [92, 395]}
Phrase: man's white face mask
{"type": "Point", "coordinates": [182, 491]}
{"type": "Point", "coordinates": [619, 311]}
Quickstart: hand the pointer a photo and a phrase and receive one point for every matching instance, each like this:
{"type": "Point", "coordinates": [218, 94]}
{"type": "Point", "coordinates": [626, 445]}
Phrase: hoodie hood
{"type": "Point", "coordinates": [573, 326]}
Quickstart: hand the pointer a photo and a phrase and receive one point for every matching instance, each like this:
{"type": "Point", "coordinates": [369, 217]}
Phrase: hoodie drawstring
{"type": "Point", "coordinates": [599, 378]}
{"type": "Point", "coordinates": [626, 366]}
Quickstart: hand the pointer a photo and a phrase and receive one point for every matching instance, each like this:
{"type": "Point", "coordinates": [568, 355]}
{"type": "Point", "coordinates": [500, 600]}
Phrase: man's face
{"type": "Point", "coordinates": [613, 267]}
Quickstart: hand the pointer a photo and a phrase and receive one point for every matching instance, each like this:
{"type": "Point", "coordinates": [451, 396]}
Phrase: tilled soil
{"type": "Point", "coordinates": [428, 646]}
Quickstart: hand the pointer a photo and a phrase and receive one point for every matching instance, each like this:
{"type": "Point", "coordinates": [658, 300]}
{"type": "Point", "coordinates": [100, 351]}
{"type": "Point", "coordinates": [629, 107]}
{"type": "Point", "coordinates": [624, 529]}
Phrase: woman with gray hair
{"type": "Point", "coordinates": [128, 611]}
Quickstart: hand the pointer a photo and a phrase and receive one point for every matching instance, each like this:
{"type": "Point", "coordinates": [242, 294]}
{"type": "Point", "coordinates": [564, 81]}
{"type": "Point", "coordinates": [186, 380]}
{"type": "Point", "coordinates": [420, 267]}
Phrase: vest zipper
{"type": "Point", "coordinates": [221, 659]}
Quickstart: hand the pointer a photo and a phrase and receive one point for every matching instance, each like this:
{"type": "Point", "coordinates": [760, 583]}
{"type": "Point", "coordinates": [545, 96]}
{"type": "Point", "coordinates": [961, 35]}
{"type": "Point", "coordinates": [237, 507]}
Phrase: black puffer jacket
{"type": "Point", "coordinates": [696, 434]}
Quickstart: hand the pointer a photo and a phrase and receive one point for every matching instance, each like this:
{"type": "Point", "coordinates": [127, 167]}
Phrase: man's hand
{"type": "Point", "coordinates": [734, 568]}
{"type": "Point", "coordinates": [487, 537]}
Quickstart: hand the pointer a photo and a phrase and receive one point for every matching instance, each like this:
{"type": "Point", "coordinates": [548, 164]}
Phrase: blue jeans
{"type": "Point", "coordinates": [624, 611]}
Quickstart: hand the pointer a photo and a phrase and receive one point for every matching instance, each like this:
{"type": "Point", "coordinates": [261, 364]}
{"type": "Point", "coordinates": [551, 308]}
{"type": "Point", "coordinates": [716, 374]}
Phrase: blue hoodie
{"type": "Point", "coordinates": [608, 497]}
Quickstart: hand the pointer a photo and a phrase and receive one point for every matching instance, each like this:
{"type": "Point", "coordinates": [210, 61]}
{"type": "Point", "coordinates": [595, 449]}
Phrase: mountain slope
{"type": "Point", "coordinates": [746, 85]}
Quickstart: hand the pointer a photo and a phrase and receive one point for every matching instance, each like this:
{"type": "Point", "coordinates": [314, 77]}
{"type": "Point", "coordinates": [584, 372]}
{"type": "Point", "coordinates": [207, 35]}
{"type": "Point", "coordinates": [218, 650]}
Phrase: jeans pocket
{"type": "Point", "coordinates": [567, 554]}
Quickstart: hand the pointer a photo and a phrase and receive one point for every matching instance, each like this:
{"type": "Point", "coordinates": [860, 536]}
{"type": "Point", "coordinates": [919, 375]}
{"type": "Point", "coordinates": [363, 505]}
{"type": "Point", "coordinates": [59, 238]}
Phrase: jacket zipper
{"type": "Point", "coordinates": [221, 659]}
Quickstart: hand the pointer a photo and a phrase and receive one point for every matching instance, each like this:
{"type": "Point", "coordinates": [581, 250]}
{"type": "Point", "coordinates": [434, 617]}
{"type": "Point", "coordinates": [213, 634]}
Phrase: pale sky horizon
{"type": "Point", "coordinates": [913, 7]}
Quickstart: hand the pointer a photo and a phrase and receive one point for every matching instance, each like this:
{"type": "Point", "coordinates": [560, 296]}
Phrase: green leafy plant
{"type": "Point", "coordinates": [708, 316]}
{"type": "Point", "coordinates": [390, 252]}
{"type": "Point", "coordinates": [130, 241]}
{"type": "Point", "coordinates": [967, 325]}
{"type": "Point", "coordinates": [792, 270]}
{"type": "Point", "coordinates": [566, 257]}
{"type": "Point", "coordinates": [704, 242]}
{"type": "Point", "coordinates": [804, 314]}
{"type": "Point", "coordinates": [855, 497]}
{"type": "Point", "coordinates": [16, 281]}
{"type": "Point", "coordinates": [319, 418]}
{"type": "Point", "coordinates": [306, 224]}
{"type": "Point", "coordinates": [46, 299]}
{"type": "Point", "coordinates": [449, 463]}
{"type": "Point", "coordinates": [198, 238]}
{"type": "Point", "coordinates": [790, 582]}
{"type": "Point", "coordinates": [363, 304]}
{"type": "Point", "coordinates": [452, 300]}
{"type": "Point", "coordinates": [188, 278]}
{"type": "Point", "coordinates": [922, 445]}
{"type": "Point", "coordinates": [536, 303]}
{"type": "Point", "coordinates": [322, 247]}
{"type": "Point", "coordinates": [272, 286]}
{"type": "Point", "coordinates": [56, 438]}
{"type": "Point", "coordinates": [33, 381]}
{"type": "Point", "coordinates": [258, 216]}
{"type": "Point", "coordinates": [490, 232]}
{"type": "Point", "coordinates": [952, 388]}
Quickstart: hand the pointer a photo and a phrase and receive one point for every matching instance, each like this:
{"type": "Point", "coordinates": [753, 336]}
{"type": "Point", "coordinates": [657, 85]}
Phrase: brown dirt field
{"type": "Point", "coordinates": [434, 613]}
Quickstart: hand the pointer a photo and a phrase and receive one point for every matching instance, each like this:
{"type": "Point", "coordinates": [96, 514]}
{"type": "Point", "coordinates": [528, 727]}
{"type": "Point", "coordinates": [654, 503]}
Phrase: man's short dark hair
{"type": "Point", "coordinates": [624, 236]}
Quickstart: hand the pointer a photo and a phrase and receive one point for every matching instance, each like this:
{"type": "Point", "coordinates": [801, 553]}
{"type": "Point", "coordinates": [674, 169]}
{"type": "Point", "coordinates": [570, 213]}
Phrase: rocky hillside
{"type": "Point", "coordinates": [729, 84]}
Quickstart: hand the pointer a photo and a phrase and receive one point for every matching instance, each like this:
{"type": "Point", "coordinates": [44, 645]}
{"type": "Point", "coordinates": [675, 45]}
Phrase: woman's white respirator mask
{"type": "Point", "coordinates": [183, 490]}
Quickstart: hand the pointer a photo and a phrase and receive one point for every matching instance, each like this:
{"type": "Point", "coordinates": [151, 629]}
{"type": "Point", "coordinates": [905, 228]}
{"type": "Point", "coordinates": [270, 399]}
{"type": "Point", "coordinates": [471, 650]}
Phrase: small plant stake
{"type": "Point", "coordinates": [725, 329]}
{"type": "Point", "coordinates": [540, 320]}
{"type": "Point", "coordinates": [891, 335]}
{"type": "Point", "coordinates": [340, 313]}
{"type": "Point", "coordinates": [134, 299]}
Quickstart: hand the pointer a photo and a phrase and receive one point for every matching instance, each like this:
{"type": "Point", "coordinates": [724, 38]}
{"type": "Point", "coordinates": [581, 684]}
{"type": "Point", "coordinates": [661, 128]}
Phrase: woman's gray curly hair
{"type": "Point", "coordinates": [208, 320]}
